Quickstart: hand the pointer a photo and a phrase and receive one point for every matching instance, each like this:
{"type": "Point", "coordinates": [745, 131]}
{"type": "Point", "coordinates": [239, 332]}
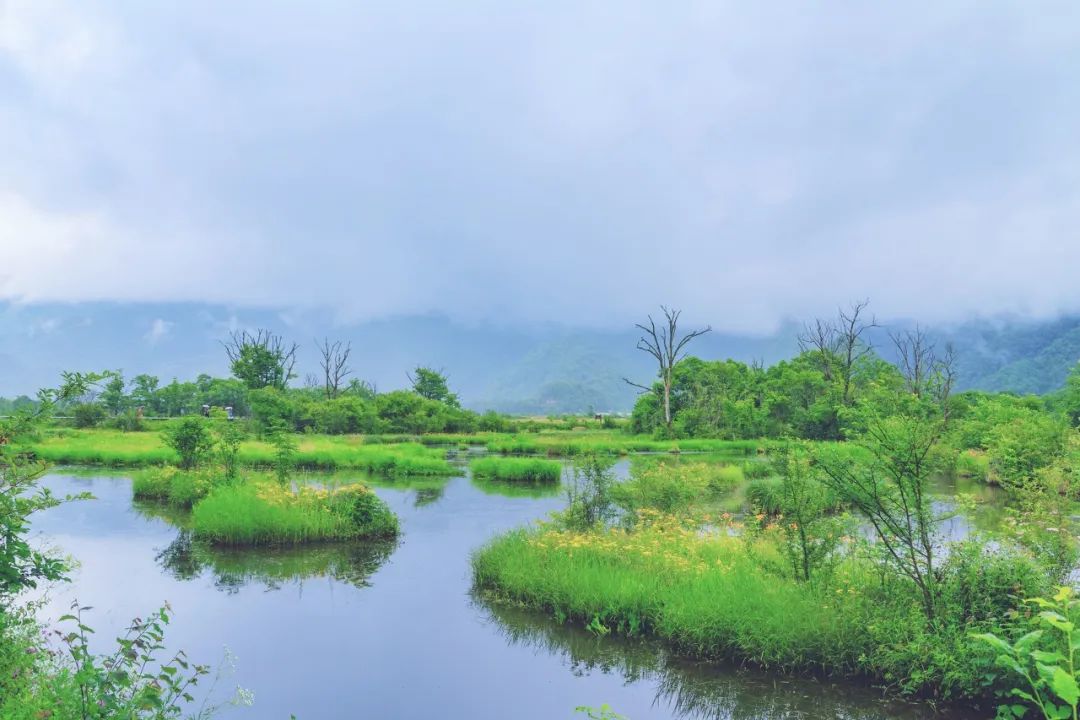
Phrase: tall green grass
{"type": "Point", "coordinates": [262, 513]}
{"type": "Point", "coordinates": [517, 469]}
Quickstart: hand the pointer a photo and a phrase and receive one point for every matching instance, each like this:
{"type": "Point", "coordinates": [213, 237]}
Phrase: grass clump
{"type": "Point", "coordinates": [167, 483]}
{"type": "Point", "coordinates": [517, 469]}
{"type": "Point", "coordinates": [264, 513]}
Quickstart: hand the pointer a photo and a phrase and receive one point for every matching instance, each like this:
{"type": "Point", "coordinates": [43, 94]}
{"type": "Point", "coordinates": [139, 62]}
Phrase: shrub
{"type": "Point", "coordinates": [128, 421]}
{"type": "Point", "coordinates": [667, 487]}
{"type": "Point", "coordinates": [88, 415]}
{"type": "Point", "coordinates": [589, 494]}
{"type": "Point", "coordinates": [981, 581]}
{"type": "Point", "coordinates": [191, 440]}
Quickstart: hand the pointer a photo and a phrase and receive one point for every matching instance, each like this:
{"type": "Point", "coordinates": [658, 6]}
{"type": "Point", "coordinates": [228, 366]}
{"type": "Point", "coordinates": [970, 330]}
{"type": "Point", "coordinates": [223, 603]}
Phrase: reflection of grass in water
{"type": "Point", "coordinates": [516, 489]}
{"type": "Point", "coordinates": [353, 563]}
{"type": "Point", "coordinates": [693, 690]}
{"type": "Point", "coordinates": [157, 510]}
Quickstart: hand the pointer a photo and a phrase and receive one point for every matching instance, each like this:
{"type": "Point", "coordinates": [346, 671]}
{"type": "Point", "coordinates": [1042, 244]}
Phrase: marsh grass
{"type": "Point", "coordinates": [264, 513]}
{"type": "Point", "coordinates": [167, 483]}
{"type": "Point", "coordinates": [527, 470]}
{"type": "Point", "coordinates": [569, 444]}
{"type": "Point", "coordinates": [325, 452]}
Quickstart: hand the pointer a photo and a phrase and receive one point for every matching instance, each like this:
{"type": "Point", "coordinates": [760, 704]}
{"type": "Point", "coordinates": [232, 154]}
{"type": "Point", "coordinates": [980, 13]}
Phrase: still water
{"type": "Point", "coordinates": [366, 630]}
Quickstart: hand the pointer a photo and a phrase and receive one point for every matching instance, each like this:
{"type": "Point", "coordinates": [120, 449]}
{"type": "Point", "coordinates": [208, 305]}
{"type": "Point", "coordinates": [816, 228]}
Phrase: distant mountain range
{"type": "Point", "coordinates": [531, 369]}
{"type": "Point", "coordinates": [1019, 356]}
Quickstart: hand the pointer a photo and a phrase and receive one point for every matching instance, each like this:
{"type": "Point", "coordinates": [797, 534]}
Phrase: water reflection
{"type": "Point", "coordinates": [510, 489]}
{"type": "Point", "coordinates": [233, 568]}
{"type": "Point", "coordinates": [692, 690]}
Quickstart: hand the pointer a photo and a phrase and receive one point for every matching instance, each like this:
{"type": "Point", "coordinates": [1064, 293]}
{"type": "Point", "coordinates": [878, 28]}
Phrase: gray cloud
{"type": "Point", "coordinates": [574, 161]}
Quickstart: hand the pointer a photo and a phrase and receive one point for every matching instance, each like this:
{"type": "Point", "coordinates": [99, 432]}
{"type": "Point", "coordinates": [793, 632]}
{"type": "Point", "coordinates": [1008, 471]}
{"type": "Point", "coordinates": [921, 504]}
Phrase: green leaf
{"type": "Point", "coordinates": [1056, 620]}
{"type": "Point", "coordinates": [1047, 657]}
{"type": "Point", "coordinates": [1064, 686]}
{"type": "Point", "coordinates": [995, 642]}
{"type": "Point", "coordinates": [1028, 640]}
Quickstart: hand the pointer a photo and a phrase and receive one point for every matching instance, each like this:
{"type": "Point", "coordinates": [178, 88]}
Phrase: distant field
{"type": "Point", "coordinates": [392, 454]}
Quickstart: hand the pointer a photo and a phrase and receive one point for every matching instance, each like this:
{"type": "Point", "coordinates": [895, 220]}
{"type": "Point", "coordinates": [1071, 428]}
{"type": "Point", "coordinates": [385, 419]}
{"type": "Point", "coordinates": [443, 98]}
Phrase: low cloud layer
{"type": "Point", "coordinates": [580, 162]}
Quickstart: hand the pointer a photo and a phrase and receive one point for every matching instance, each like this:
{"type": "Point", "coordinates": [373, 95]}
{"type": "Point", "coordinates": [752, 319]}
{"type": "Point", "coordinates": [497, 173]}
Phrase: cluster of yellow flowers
{"type": "Point", "coordinates": [323, 498]}
{"type": "Point", "coordinates": [669, 545]}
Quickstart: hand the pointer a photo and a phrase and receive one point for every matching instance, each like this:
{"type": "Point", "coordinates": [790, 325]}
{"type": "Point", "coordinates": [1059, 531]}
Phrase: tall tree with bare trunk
{"type": "Point", "coordinates": [667, 347]}
{"type": "Point", "coordinates": [261, 358]}
{"type": "Point", "coordinates": [334, 361]}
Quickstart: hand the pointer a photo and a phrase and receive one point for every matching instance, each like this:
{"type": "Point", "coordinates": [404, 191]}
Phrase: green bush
{"type": "Point", "coordinates": [982, 581]}
{"type": "Point", "coordinates": [190, 438]}
{"type": "Point", "coordinates": [666, 487]}
{"type": "Point", "coordinates": [88, 415]}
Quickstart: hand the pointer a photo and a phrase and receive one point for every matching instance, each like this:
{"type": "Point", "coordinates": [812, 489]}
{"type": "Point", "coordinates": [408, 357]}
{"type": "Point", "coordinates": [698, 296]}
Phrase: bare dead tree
{"type": "Point", "coordinates": [840, 344]}
{"type": "Point", "coordinates": [335, 365]}
{"type": "Point", "coordinates": [667, 348]}
{"type": "Point", "coordinates": [261, 358]}
{"type": "Point", "coordinates": [927, 373]}
{"type": "Point", "coordinates": [914, 358]}
{"type": "Point", "coordinates": [851, 344]}
{"type": "Point", "coordinates": [821, 339]}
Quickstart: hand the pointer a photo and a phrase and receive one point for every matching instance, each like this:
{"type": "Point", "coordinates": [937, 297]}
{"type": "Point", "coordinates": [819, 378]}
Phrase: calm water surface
{"type": "Point", "coordinates": [382, 630]}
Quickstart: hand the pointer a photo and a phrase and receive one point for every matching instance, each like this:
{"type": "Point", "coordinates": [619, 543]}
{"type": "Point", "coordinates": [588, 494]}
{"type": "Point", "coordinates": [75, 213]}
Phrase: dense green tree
{"type": "Point", "coordinates": [144, 393]}
{"type": "Point", "coordinates": [261, 359]}
{"type": "Point", "coordinates": [1069, 397]}
{"type": "Point", "coordinates": [432, 385]}
{"type": "Point", "coordinates": [112, 395]}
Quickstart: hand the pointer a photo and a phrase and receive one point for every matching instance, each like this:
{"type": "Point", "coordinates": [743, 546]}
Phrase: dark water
{"type": "Point", "coordinates": [391, 630]}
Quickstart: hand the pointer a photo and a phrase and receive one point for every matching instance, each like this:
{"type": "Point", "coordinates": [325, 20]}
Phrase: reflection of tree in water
{"type": "Point", "coordinates": [428, 496]}
{"type": "Point", "coordinates": [697, 690]}
{"type": "Point", "coordinates": [233, 568]}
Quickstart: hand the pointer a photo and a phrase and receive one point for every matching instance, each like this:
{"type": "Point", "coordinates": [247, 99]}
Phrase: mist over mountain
{"type": "Point", "coordinates": [520, 368]}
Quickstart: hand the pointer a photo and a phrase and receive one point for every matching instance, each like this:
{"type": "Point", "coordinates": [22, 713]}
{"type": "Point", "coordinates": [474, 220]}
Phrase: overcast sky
{"type": "Point", "coordinates": [568, 161]}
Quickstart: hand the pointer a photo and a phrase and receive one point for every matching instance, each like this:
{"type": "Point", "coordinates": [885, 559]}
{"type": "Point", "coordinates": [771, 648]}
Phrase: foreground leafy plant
{"type": "Point", "coordinates": [130, 683]}
{"type": "Point", "coordinates": [1045, 658]}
